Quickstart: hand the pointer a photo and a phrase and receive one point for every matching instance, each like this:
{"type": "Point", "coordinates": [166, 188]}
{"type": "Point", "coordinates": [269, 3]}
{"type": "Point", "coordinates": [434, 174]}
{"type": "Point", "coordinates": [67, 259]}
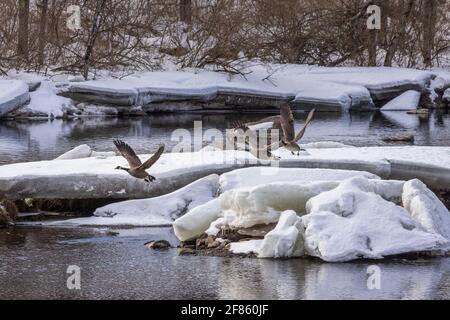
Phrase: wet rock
{"type": "Point", "coordinates": [214, 244]}
{"type": "Point", "coordinates": [257, 232]}
{"type": "Point", "coordinates": [399, 138]}
{"type": "Point", "coordinates": [8, 213]}
{"type": "Point", "coordinates": [186, 251]}
{"type": "Point", "coordinates": [158, 245]}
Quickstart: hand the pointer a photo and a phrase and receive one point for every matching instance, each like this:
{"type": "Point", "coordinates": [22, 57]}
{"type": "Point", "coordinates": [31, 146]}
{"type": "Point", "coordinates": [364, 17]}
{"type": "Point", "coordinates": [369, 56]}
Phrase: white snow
{"type": "Point", "coordinates": [156, 211]}
{"type": "Point", "coordinates": [337, 86]}
{"type": "Point", "coordinates": [80, 152]}
{"type": "Point", "coordinates": [286, 240]}
{"type": "Point", "coordinates": [197, 221]}
{"type": "Point", "coordinates": [353, 222]}
{"type": "Point", "coordinates": [74, 177]}
{"type": "Point", "coordinates": [426, 208]}
{"type": "Point", "coordinates": [408, 100]}
{"type": "Point", "coordinates": [246, 247]}
{"type": "Point", "coordinates": [13, 93]}
{"type": "Point", "coordinates": [446, 95]}
{"type": "Point", "coordinates": [251, 177]}
{"type": "Point", "coordinates": [46, 101]}
{"type": "Point", "coordinates": [84, 151]}
{"type": "Point", "coordinates": [333, 220]}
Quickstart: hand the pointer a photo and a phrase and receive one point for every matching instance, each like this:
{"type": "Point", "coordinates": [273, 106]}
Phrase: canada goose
{"type": "Point", "coordinates": [137, 168]}
{"type": "Point", "coordinates": [290, 140]}
{"type": "Point", "coordinates": [252, 145]}
{"type": "Point", "coordinates": [285, 123]}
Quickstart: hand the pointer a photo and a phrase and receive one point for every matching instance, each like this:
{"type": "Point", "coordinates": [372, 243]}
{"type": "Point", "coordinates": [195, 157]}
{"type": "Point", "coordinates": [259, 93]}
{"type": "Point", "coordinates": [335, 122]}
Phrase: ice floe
{"type": "Point", "coordinates": [408, 100]}
{"type": "Point", "coordinates": [335, 221]}
{"type": "Point", "coordinates": [13, 94]}
{"type": "Point", "coordinates": [156, 211]}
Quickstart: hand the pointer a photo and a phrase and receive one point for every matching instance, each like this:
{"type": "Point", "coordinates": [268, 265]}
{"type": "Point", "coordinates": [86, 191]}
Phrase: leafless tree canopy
{"type": "Point", "coordinates": [146, 34]}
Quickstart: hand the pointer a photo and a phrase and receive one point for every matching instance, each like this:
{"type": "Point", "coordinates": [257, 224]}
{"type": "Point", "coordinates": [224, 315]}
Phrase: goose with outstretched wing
{"type": "Point", "coordinates": [137, 169]}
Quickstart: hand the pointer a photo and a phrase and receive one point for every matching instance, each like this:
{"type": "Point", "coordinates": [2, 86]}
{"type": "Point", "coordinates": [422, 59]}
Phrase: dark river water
{"type": "Point", "coordinates": [34, 264]}
{"type": "Point", "coordinates": [34, 260]}
{"type": "Point", "coordinates": [44, 140]}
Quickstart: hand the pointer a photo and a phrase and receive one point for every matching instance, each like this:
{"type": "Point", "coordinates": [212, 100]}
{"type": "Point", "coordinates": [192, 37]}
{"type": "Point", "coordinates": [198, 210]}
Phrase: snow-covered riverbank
{"type": "Point", "coordinates": [263, 87]}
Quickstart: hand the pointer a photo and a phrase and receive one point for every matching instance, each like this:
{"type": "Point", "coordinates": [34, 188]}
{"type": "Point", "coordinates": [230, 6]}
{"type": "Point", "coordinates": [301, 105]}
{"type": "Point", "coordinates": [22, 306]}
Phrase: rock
{"type": "Point", "coordinates": [158, 245]}
{"type": "Point", "coordinates": [8, 213]}
{"type": "Point", "coordinates": [256, 231]}
{"type": "Point", "coordinates": [186, 251]}
{"type": "Point", "coordinates": [399, 138]}
{"type": "Point", "coordinates": [214, 244]}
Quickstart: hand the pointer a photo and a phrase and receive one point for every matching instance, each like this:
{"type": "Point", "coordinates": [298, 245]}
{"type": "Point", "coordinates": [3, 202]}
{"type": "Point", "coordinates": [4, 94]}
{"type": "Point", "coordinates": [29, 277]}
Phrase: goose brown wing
{"type": "Point", "coordinates": [287, 123]}
{"type": "Point", "coordinates": [128, 153]}
{"type": "Point", "coordinates": [308, 120]}
{"type": "Point", "coordinates": [150, 162]}
{"type": "Point", "coordinates": [268, 119]}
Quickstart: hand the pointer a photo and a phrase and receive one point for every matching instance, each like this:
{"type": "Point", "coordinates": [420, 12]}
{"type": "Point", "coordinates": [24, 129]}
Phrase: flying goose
{"type": "Point", "coordinates": [137, 168]}
{"type": "Point", "coordinates": [290, 140]}
{"type": "Point", "coordinates": [285, 122]}
{"type": "Point", "coordinates": [252, 142]}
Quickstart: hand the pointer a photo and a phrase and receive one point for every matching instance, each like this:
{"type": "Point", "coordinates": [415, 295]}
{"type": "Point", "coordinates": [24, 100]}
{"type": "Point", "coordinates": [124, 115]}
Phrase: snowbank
{"type": "Point", "coordinates": [46, 102]}
{"type": "Point", "coordinates": [84, 151]}
{"type": "Point", "coordinates": [426, 208]}
{"type": "Point", "coordinates": [286, 240]}
{"type": "Point", "coordinates": [446, 96]}
{"type": "Point", "coordinates": [404, 102]}
{"type": "Point", "coordinates": [251, 177]}
{"type": "Point", "coordinates": [156, 211]}
{"type": "Point", "coordinates": [334, 221]}
{"type": "Point", "coordinates": [352, 222]}
{"type": "Point", "coordinates": [13, 94]}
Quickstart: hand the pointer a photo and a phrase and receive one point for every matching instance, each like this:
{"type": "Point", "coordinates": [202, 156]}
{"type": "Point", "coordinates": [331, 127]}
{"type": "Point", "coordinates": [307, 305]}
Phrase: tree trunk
{"type": "Point", "coordinates": [428, 26]}
{"type": "Point", "coordinates": [186, 11]}
{"type": "Point", "coordinates": [399, 37]}
{"type": "Point", "coordinates": [42, 31]}
{"type": "Point", "coordinates": [372, 47]}
{"type": "Point", "coordinates": [24, 12]}
{"type": "Point", "coordinates": [96, 25]}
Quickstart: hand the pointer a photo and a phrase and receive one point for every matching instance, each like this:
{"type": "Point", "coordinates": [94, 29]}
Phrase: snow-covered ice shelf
{"type": "Point", "coordinates": [304, 86]}
{"type": "Point", "coordinates": [13, 94]}
{"type": "Point", "coordinates": [95, 177]}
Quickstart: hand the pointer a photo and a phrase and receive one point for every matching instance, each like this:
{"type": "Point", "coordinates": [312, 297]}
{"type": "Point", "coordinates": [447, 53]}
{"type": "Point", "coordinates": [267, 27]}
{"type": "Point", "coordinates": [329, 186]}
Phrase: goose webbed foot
{"type": "Point", "coordinates": [150, 179]}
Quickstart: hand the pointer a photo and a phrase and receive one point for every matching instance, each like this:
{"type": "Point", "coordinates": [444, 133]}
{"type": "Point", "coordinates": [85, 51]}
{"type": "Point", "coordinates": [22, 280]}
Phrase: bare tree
{"type": "Point", "coordinates": [429, 24]}
{"type": "Point", "coordinates": [42, 31]}
{"type": "Point", "coordinates": [96, 25]}
{"type": "Point", "coordinates": [186, 11]}
{"type": "Point", "coordinates": [23, 34]}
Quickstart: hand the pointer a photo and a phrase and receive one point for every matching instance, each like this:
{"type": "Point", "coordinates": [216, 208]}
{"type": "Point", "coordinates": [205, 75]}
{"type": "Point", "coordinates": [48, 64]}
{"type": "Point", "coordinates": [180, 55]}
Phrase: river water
{"type": "Point", "coordinates": [43, 140]}
{"type": "Point", "coordinates": [34, 259]}
{"type": "Point", "coordinates": [34, 263]}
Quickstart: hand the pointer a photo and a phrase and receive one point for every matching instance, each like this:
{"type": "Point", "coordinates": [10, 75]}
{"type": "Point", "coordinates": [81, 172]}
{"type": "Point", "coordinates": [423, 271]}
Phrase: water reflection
{"type": "Point", "coordinates": [34, 261]}
{"type": "Point", "coordinates": [43, 140]}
